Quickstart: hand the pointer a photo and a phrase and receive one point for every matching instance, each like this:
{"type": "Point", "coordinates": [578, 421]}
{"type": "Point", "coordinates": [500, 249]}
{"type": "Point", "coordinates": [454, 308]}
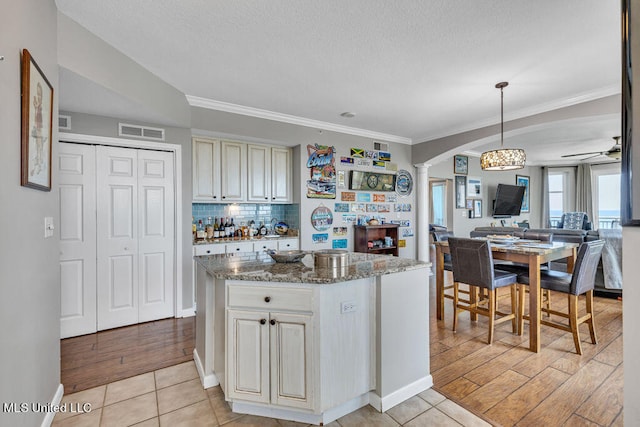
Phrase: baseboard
{"type": "Point", "coordinates": [188, 312]}
{"type": "Point", "coordinates": [384, 403]}
{"type": "Point", "coordinates": [57, 398]}
{"type": "Point", "coordinates": [301, 416]}
{"type": "Point", "coordinates": [207, 381]}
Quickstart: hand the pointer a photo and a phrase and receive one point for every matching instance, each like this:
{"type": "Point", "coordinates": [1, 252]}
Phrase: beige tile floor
{"type": "Point", "coordinates": [174, 397]}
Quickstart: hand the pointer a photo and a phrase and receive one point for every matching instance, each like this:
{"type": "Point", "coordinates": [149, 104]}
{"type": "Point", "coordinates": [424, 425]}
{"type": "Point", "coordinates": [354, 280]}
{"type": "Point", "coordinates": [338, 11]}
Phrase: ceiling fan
{"type": "Point", "coordinates": [614, 152]}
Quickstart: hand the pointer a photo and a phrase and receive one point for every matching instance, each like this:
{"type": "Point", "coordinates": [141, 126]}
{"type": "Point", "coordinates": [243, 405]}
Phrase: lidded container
{"type": "Point", "coordinates": [331, 258]}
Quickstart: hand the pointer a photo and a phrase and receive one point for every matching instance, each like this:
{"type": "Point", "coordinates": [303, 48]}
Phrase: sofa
{"type": "Point", "coordinates": [559, 235]}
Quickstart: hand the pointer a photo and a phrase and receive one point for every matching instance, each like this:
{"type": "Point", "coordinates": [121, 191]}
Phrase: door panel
{"type": "Point", "coordinates": [248, 351]}
{"type": "Point", "coordinates": [291, 348]}
{"type": "Point", "coordinates": [156, 217]}
{"type": "Point", "coordinates": [259, 170]}
{"type": "Point", "coordinates": [117, 237]}
{"type": "Point", "coordinates": [77, 190]}
{"type": "Point", "coordinates": [281, 175]}
{"type": "Point", "coordinates": [233, 175]}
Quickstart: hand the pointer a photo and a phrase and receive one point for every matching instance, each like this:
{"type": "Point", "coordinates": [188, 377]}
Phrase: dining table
{"type": "Point", "coordinates": [530, 252]}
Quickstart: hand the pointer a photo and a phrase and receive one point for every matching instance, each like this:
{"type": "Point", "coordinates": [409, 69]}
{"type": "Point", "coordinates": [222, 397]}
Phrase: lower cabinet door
{"type": "Point", "coordinates": [291, 360]}
{"type": "Point", "coordinates": [248, 355]}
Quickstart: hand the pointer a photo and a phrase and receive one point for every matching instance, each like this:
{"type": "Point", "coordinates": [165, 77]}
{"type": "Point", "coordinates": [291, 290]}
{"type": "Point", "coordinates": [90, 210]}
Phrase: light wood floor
{"type": "Point", "coordinates": [508, 385]}
{"type": "Point", "coordinates": [504, 383]}
{"type": "Point", "coordinates": [96, 359]}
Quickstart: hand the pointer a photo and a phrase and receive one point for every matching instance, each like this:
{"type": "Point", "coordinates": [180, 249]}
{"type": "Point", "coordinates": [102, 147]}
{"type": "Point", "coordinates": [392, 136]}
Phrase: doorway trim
{"type": "Point", "coordinates": [176, 149]}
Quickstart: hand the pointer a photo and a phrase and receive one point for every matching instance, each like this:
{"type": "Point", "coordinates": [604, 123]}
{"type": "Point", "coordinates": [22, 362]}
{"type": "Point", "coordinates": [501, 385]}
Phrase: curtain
{"type": "Point", "coordinates": [584, 195]}
{"type": "Point", "coordinates": [544, 206]}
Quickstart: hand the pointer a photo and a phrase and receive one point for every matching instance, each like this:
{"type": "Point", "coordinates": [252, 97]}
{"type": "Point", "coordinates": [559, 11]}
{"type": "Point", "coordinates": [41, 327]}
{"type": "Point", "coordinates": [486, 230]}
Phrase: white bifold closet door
{"type": "Point", "coordinates": [77, 189]}
{"type": "Point", "coordinates": [135, 233]}
{"type": "Point", "coordinates": [122, 230]}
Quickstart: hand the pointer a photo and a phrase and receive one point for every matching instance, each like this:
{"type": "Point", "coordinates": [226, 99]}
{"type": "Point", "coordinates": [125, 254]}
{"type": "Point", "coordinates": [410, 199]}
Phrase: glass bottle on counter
{"type": "Point", "coordinates": [232, 229]}
{"type": "Point", "coordinates": [216, 229]}
{"type": "Point", "coordinates": [194, 227]}
{"type": "Point", "coordinates": [209, 228]}
{"type": "Point", "coordinates": [200, 233]}
{"type": "Point", "coordinates": [263, 229]}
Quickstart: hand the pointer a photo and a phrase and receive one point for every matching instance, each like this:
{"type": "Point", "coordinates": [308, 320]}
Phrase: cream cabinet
{"type": "Point", "coordinates": [269, 174]}
{"type": "Point", "coordinates": [231, 171]}
{"type": "Point", "coordinates": [233, 168]}
{"type": "Point", "coordinates": [206, 170]}
{"type": "Point", "coordinates": [281, 173]}
{"type": "Point", "coordinates": [269, 348]}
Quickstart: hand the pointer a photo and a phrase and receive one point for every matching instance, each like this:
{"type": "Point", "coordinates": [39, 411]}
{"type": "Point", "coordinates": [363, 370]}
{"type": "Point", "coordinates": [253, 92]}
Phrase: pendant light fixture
{"type": "Point", "coordinates": [505, 158]}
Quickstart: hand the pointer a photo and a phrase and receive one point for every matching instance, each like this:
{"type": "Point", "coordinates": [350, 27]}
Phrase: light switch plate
{"type": "Point", "coordinates": [48, 227]}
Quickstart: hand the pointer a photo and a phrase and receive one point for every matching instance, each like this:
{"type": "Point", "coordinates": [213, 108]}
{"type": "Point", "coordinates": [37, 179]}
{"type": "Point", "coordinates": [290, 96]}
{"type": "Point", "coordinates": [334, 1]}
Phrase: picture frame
{"type": "Point", "coordinates": [523, 180]}
{"type": "Point", "coordinates": [469, 204]}
{"type": "Point", "coordinates": [477, 208]}
{"type": "Point", "coordinates": [36, 125]}
{"type": "Point", "coordinates": [474, 187]}
{"type": "Point", "coordinates": [461, 191]}
{"type": "Point", "coordinates": [460, 164]}
{"type": "Point", "coordinates": [372, 181]}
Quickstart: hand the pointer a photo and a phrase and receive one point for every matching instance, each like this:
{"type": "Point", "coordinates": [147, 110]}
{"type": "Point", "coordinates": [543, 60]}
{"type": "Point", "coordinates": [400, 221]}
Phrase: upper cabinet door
{"type": "Point", "coordinates": [281, 174]}
{"type": "Point", "coordinates": [259, 173]}
{"type": "Point", "coordinates": [233, 167]}
{"type": "Point", "coordinates": [206, 170]}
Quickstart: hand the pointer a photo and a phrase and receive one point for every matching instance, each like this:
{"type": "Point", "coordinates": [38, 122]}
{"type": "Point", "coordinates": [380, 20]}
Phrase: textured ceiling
{"type": "Point", "coordinates": [414, 69]}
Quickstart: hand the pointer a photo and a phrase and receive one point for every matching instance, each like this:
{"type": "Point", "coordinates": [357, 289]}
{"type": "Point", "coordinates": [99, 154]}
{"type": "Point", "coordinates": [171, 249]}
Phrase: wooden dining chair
{"type": "Point", "coordinates": [472, 264]}
{"type": "Point", "coordinates": [581, 281]}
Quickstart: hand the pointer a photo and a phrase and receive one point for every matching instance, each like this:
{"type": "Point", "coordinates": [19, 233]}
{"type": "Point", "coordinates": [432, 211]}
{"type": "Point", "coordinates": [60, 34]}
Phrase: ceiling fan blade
{"type": "Point", "coordinates": [591, 157]}
{"type": "Point", "coordinates": [582, 154]}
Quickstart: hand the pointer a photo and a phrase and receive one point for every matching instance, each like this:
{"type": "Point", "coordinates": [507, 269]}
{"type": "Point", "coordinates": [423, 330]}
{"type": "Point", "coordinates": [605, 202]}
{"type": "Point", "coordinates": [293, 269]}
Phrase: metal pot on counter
{"type": "Point", "coordinates": [335, 262]}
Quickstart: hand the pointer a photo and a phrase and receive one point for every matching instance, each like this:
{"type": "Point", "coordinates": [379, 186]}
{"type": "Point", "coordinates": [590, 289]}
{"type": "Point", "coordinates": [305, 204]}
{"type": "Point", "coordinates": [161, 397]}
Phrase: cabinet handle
{"type": "Point", "coordinates": [272, 321]}
{"type": "Point", "coordinates": [238, 249]}
{"type": "Point", "coordinates": [266, 198]}
{"type": "Point", "coordinates": [224, 197]}
{"type": "Point", "coordinates": [267, 299]}
{"type": "Point", "coordinates": [208, 252]}
{"type": "Point", "coordinates": [215, 197]}
{"type": "Point", "coordinates": [263, 321]}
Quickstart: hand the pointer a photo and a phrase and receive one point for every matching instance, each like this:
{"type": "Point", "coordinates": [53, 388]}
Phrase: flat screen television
{"type": "Point", "coordinates": [508, 200]}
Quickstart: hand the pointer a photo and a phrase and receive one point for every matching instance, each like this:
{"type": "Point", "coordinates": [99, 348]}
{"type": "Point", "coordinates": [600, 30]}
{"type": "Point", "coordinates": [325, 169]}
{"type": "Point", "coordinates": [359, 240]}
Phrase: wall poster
{"type": "Point", "coordinates": [322, 170]}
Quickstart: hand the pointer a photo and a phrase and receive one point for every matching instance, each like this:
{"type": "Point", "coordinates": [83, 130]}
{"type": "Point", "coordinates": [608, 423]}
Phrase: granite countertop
{"type": "Point", "coordinates": [239, 240]}
{"type": "Point", "coordinates": [258, 266]}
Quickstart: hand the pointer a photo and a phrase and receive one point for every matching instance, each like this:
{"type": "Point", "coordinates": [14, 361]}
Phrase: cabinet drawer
{"type": "Point", "coordinates": [288, 244]}
{"type": "Point", "coordinates": [239, 247]}
{"type": "Point", "coordinates": [200, 250]}
{"type": "Point", "coordinates": [267, 298]}
{"type": "Point", "coordinates": [261, 246]}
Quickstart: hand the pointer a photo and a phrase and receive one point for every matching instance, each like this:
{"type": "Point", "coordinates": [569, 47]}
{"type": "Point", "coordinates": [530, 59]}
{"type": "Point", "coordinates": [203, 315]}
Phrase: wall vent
{"type": "Point", "coordinates": [64, 122]}
{"type": "Point", "coordinates": [380, 146]}
{"type": "Point", "coordinates": [156, 134]}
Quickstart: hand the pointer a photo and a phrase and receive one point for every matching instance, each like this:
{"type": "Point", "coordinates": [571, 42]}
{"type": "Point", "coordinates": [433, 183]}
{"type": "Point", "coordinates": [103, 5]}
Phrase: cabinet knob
{"type": "Point", "coordinates": [263, 321]}
{"type": "Point", "coordinates": [215, 197]}
{"type": "Point", "coordinates": [224, 197]}
{"type": "Point", "coordinates": [266, 198]}
{"type": "Point", "coordinates": [208, 252]}
{"type": "Point", "coordinates": [267, 299]}
{"type": "Point", "coordinates": [272, 321]}
{"type": "Point", "coordinates": [238, 249]}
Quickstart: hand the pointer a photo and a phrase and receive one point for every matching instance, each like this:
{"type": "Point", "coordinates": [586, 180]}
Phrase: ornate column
{"type": "Point", "coordinates": [422, 213]}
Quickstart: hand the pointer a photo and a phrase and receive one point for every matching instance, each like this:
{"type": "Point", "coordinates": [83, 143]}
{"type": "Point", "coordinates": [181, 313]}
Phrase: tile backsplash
{"type": "Point", "coordinates": [246, 212]}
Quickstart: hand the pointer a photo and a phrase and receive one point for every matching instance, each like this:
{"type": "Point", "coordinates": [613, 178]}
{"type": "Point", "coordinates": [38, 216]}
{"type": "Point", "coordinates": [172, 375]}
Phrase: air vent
{"type": "Point", "coordinates": [157, 134]}
{"type": "Point", "coordinates": [64, 122]}
{"type": "Point", "coordinates": [380, 146]}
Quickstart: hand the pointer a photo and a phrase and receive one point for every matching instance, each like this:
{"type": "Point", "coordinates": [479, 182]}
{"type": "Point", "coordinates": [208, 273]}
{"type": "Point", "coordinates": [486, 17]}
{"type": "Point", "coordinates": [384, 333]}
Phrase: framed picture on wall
{"type": "Point", "coordinates": [461, 192]}
{"type": "Point", "coordinates": [37, 116]}
{"type": "Point", "coordinates": [477, 208]}
{"type": "Point", "coordinates": [523, 180]}
{"type": "Point", "coordinates": [460, 164]}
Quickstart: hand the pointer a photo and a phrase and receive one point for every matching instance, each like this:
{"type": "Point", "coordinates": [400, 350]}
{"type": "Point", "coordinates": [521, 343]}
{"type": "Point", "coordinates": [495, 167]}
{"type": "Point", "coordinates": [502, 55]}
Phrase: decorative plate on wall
{"type": "Point", "coordinates": [321, 218]}
{"type": "Point", "coordinates": [404, 183]}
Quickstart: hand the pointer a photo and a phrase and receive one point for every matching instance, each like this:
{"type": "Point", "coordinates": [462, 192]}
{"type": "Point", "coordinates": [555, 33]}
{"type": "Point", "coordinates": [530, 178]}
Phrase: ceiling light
{"type": "Point", "coordinates": [504, 158]}
{"type": "Point", "coordinates": [348, 114]}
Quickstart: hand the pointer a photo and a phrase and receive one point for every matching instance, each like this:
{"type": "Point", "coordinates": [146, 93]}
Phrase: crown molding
{"type": "Point", "coordinates": [211, 104]}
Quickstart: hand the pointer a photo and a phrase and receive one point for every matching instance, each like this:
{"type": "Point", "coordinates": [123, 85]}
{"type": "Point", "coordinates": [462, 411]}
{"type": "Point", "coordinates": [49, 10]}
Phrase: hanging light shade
{"type": "Point", "coordinates": [504, 158]}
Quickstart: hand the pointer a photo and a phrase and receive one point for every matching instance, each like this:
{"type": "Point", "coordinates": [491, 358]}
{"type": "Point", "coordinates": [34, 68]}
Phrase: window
{"type": "Point", "coordinates": [439, 203]}
{"type": "Point", "coordinates": [561, 187]}
{"type": "Point", "coordinates": [606, 195]}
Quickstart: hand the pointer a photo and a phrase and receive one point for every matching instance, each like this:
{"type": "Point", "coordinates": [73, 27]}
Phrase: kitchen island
{"type": "Point", "coordinates": [296, 342]}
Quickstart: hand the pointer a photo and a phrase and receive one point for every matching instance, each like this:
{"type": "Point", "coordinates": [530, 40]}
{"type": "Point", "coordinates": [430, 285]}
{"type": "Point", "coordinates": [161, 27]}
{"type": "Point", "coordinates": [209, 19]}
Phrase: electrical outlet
{"type": "Point", "coordinates": [347, 307]}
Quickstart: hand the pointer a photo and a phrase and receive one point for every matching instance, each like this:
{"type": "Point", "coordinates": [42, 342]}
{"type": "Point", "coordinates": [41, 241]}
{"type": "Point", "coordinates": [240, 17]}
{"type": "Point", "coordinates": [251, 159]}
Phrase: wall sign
{"type": "Point", "coordinates": [372, 181]}
{"type": "Point", "coordinates": [322, 170]}
{"type": "Point", "coordinates": [404, 183]}
{"type": "Point", "coordinates": [321, 218]}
